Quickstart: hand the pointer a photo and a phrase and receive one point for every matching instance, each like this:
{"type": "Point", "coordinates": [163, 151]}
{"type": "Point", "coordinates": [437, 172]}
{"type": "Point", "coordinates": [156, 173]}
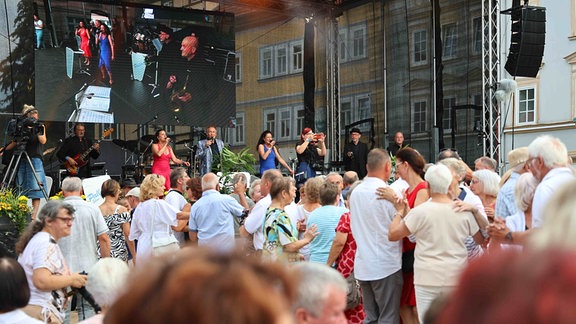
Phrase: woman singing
{"type": "Point", "coordinates": [268, 153]}
{"type": "Point", "coordinates": [106, 52]}
{"type": "Point", "coordinates": [163, 154]}
{"type": "Point", "coordinates": [85, 36]}
{"type": "Point", "coordinates": [309, 149]}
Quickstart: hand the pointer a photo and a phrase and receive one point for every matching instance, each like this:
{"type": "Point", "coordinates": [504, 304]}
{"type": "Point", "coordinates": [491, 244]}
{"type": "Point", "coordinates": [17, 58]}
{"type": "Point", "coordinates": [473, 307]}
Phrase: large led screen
{"type": "Point", "coordinates": [121, 69]}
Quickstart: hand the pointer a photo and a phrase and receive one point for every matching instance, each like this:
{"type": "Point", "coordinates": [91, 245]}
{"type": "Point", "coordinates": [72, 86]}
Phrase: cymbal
{"type": "Point", "coordinates": [119, 142]}
{"type": "Point", "coordinates": [147, 138]}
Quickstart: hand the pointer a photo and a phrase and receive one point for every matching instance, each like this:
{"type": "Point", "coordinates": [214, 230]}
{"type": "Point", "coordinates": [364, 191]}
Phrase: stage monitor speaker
{"type": "Point", "coordinates": [527, 41]}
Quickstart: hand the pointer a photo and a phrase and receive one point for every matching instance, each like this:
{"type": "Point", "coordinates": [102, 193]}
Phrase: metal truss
{"type": "Point", "coordinates": [333, 123]}
{"type": "Point", "coordinates": [490, 76]}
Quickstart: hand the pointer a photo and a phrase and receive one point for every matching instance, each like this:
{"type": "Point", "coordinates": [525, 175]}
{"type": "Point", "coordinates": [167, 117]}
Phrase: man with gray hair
{"type": "Point", "coordinates": [547, 162]}
{"type": "Point", "coordinates": [175, 197]}
{"type": "Point", "coordinates": [378, 261]}
{"type": "Point", "coordinates": [336, 178]}
{"type": "Point", "coordinates": [485, 163]}
{"type": "Point", "coordinates": [79, 248]}
{"type": "Point", "coordinates": [321, 294]}
{"type": "Point", "coordinates": [211, 218]}
{"type": "Point", "coordinates": [348, 180]}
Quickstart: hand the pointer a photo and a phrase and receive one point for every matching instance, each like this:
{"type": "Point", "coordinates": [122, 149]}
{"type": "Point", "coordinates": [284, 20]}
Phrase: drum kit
{"type": "Point", "coordinates": [140, 158]}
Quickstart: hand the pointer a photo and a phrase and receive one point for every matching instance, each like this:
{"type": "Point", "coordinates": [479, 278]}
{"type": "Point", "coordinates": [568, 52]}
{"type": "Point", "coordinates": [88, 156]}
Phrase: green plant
{"type": "Point", "coordinates": [230, 162]}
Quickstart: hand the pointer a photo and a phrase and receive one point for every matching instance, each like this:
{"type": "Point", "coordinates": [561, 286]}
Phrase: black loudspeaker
{"type": "Point", "coordinates": [527, 41]}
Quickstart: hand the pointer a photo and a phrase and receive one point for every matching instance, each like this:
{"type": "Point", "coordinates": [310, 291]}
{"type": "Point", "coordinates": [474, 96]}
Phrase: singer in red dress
{"type": "Point", "coordinates": [163, 154]}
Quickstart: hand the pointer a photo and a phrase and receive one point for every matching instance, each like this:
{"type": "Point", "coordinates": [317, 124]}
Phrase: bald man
{"type": "Point", "coordinates": [192, 82]}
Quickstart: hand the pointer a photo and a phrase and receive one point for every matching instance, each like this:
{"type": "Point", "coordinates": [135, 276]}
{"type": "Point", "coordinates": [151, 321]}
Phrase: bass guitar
{"type": "Point", "coordinates": [82, 159]}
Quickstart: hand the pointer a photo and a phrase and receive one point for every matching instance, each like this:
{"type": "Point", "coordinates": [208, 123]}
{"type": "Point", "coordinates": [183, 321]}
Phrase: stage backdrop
{"type": "Point", "coordinates": [67, 89]}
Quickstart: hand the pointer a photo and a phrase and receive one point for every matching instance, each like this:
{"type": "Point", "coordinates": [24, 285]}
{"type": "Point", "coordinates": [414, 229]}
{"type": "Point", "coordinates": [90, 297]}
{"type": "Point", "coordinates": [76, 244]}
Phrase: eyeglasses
{"type": "Point", "coordinates": [474, 181]}
{"type": "Point", "coordinates": [66, 219]}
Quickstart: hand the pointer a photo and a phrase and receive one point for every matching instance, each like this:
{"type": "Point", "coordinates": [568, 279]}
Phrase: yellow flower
{"type": "Point", "coordinates": [23, 198]}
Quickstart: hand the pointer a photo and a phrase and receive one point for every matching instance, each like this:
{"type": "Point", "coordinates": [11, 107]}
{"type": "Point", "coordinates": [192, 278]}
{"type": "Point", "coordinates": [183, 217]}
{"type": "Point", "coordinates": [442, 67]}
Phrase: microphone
{"type": "Point", "coordinates": [155, 117]}
{"type": "Point", "coordinates": [177, 119]}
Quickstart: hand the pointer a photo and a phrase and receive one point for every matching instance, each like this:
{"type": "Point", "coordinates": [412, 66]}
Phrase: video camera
{"type": "Point", "coordinates": [23, 127]}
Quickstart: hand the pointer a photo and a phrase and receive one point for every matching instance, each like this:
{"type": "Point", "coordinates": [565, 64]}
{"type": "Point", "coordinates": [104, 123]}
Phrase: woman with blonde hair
{"type": "Point", "coordinates": [154, 220]}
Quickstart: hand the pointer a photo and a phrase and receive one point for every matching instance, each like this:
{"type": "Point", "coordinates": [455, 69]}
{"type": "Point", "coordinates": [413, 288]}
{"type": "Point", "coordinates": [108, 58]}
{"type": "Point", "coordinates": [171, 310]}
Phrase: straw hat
{"type": "Point", "coordinates": [517, 156]}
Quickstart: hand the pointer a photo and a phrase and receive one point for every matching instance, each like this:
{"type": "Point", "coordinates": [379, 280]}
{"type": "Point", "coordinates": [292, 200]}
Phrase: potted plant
{"type": "Point", "coordinates": [14, 216]}
{"type": "Point", "coordinates": [230, 163]}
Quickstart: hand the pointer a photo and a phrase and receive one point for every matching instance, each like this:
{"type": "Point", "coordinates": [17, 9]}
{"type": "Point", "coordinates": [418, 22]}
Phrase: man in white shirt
{"type": "Point", "coordinates": [255, 220]}
{"type": "Point", "coordinates": [175, 197]}
{"type": "Point", "coordinates": [378, 261]}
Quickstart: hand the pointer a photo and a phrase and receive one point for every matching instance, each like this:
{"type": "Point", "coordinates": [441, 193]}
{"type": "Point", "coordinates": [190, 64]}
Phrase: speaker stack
{"type": "Point", "coordinates": [527, 41]}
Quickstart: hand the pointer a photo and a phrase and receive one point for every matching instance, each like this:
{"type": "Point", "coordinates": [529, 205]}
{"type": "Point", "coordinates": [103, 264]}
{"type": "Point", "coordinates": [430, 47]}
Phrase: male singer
{"type": "Point", "coordinates": [209, 151]}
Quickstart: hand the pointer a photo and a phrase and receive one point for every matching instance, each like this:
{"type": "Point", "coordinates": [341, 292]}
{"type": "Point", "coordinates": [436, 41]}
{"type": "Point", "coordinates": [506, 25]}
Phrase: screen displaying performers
{"type": "Point", "coordinates": [126, 62]}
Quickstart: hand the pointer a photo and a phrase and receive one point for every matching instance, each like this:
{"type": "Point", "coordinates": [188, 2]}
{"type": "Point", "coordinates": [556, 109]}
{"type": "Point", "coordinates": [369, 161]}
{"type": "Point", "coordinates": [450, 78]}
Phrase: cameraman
{"type": "Point", "coordinates": [25, 179]}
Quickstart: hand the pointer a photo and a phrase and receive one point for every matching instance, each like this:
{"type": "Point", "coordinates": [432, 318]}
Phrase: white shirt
{"type": "Point", "coordinates": [553, 180]}
{"type": "Point", "coordinates": [177, 200]}
{"type": "Point", "coordinates": [255, 221]}
{"type": "Point", "coordinates": [370, 219]}
{"type": "Point", "coordinates": [17, 317]}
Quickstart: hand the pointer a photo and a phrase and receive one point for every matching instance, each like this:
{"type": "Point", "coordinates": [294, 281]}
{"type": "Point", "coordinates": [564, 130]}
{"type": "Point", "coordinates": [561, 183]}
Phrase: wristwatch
{"type": "Point", "coordinates": [508, 237]}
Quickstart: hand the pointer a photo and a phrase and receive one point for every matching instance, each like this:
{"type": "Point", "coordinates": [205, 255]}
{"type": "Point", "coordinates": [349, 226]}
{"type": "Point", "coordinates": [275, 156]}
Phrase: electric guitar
{"type": "Point", "coordinates": [82, 159]}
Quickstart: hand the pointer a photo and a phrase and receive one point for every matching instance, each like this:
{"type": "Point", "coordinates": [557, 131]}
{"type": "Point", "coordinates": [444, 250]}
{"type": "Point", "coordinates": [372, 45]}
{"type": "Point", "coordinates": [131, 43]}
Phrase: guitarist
{"type": "Point", "coordinates": [73, 147]}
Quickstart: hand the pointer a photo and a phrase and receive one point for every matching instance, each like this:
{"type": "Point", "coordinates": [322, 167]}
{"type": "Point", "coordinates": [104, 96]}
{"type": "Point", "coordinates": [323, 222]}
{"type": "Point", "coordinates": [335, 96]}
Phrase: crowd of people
{"type": "Point", "coordinates": [349, 249]}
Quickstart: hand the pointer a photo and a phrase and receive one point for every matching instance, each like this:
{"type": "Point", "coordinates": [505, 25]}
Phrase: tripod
{"type": "Point", "coordinates": [13, 168]}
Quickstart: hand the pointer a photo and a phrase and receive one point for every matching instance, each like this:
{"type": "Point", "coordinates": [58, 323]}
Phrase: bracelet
{"type": "Point", "coordinates": [508, 237]}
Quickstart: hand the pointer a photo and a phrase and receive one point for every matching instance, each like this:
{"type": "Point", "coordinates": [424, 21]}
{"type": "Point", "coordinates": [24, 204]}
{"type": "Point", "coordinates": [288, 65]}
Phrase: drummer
{"type": "Point", "coordinates": [72, 149]}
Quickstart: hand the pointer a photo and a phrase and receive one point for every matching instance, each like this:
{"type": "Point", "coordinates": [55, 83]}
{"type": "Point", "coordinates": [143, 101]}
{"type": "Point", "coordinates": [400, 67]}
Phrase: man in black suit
{"type": "Point", "coordinates": [356, 153]}
{"type": "Point", "coordinates": [76, 145]}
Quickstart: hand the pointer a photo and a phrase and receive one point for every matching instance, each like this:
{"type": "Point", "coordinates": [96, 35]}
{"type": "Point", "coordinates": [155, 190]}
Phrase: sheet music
{"type": "Point", "coordinates": [92, 116]}
{"type": "Point", "coordinates": [103, 92]}
{"type": "Point", "coordinates": [95, 103]}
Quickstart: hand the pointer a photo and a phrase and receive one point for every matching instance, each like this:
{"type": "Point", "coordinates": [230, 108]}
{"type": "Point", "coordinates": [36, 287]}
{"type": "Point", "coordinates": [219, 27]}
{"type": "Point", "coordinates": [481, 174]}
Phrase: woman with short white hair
{"type": "Point", "coordinates": [106, 281]}
{"type": "Point", "coordinates": [440, 227]}
{"type": "Point", "coordinates": [485, 184]}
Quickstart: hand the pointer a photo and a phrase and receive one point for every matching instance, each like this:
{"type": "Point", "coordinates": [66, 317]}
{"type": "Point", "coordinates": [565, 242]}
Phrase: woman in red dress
{"type": "Point", "coordinates": [410, 167]}
{"type": "Point", "coordinates": [163, 154]}
{"type": "Point", "coordinates": [84, 34]}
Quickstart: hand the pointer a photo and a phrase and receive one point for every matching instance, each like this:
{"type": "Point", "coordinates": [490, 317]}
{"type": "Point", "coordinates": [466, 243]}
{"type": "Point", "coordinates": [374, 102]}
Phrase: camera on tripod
{"type": "Point", "coordinates": [23, 127]}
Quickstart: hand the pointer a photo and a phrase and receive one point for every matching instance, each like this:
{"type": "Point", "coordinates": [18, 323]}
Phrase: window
{"type": "Point", "coordinates": [281, 122]}
{"type": "Point", "coordinates": [238, 67]}
{"type": "Point", "coordinates": [477, 35]}
{"type": "Point", "coordinates": [270, 119]}
{"type": "Point", "coordinates": [450, 38]}
{"type": "Point", "coordinates": [266, 62]}
{"type": "Point", "coordinates": [419, 117]}
{"type": "Point", "coordinates": [358, 35]}
{"type": "Point", "coordinates": [285, 124]}
{"type": "Point", "coordinates": [345, 112]}
{"type": "Point", "coordinates": [297, 53]}
{"type": "Point", "coordinates": [448, 103]}
{"type": "Point", "coordinates": [342, 47]}
{"type": "Point", "coordinates": [281, 59]}
{"type": "Point", "coordinates": [419, 47]}
{"type": "Point", "coordinates": [526, 105]}
{"type": "Point", "coordinates": [235, 135]}
{"type": "Point", "coordinates": [299, 112]}
{"type": "Point", "coordinates": [353, 109]}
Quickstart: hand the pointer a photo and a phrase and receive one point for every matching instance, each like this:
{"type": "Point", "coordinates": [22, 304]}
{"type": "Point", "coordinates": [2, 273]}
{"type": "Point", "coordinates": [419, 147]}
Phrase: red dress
{"type": "Point", "coordinates": [345, 265]}
{"type": "Point", "coordinates": [161, 165]}
{"type": "Point", "coordinates": [84, 42]}
{"type": "Point", "coordinates": [408, 293]}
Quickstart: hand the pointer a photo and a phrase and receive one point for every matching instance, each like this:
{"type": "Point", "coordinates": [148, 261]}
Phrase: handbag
{"type": "Point", "coordinates": [353, 294]}
{"type": "Point", "coordinates": [163, 241]}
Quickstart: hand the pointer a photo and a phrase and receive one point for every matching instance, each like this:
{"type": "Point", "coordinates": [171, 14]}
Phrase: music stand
{"type": "Point", "coordinates": [70, 62]}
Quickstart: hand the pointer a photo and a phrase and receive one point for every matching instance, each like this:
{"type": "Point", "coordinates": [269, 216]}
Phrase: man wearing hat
{"type": "Point", "coordinates": [168, 56]}
{"type": "Point", "coordinates": [356, 153]}
{"type": "Point", "coordinates": [505, 202]}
